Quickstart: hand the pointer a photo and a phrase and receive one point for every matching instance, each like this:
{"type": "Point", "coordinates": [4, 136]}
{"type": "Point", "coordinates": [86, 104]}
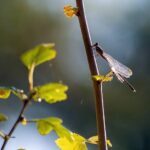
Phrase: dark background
{"type": "Point", "coordinates": [123, 30]}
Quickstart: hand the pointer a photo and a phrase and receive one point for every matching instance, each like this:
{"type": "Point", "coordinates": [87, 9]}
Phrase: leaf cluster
{"type": "Point", "coordinates": [50, 93]}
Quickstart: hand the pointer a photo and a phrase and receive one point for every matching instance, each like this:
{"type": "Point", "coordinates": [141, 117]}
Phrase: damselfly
{"type": "Point", "coordinates": [121, 71]}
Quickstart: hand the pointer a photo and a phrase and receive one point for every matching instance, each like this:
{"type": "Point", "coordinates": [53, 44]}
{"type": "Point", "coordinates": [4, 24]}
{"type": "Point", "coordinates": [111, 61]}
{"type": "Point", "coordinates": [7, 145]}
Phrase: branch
{"type": "Point", "coordinates": [25, 104]}
{"type": "Point", "coordinates": [100, 115]}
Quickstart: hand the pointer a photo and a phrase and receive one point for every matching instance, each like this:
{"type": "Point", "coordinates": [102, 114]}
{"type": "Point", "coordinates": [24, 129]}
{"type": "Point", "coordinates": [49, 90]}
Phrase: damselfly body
{"type": "Point", "coordinates": [121, 71]}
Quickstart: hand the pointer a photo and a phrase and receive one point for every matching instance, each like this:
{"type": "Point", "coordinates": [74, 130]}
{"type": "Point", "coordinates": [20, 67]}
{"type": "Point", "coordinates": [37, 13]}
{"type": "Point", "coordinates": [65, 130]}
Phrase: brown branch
{"type": "Point", "coordinates": [7, 137]}
{"type": "Point", "coordinates": [100, 115]}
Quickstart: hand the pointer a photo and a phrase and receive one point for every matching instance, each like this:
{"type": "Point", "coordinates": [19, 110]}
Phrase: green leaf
{"type": "Point", "coordinates": [51, 92]}
{"type": "Point", "coordinates": [3, 118]}
{"type": "Point", "coordinates": [94, 140]}
{"type": "Point", "coordinates": [4, 92]}
{"type": "Point", "coordinates": [19, 93]}
{"type": "Point", "coordinates": [104, 78]}
{"type": "Point", "coordinates": [61, 131]}
{"type": "Point", "coordinates": [46, 125]}
{"type": "Point", "coordinates": [77, 143]}
{"type": "Point", "coordinates": [38, 55]}
{"type": "Point", "coordinates": [2, 134]}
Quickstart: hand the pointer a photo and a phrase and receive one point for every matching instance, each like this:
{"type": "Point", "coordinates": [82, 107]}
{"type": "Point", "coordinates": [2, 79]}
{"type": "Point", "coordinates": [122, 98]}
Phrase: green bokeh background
{"type": "Point", "coordinates": [123, 30]}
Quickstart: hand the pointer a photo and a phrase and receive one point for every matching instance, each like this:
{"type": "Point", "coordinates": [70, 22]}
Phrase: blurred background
{"type": "Point", "coordinates": [123, 30]}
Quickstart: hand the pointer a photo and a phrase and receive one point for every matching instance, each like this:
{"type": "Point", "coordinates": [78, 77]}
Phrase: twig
{"type": "Point", "coordinates": [25, 104]}
{"type": "Point", "coordinates": [100, 115]}
{"type": "Point", "coordinates": [16, 123]}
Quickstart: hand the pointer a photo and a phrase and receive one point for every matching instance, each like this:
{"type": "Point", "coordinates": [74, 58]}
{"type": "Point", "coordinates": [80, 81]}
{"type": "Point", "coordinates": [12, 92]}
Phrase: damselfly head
{"type": "Point", "coordinates": [98, 50]}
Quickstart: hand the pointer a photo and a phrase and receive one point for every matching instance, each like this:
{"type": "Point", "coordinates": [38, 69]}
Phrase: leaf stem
{"type": "Point", "coordinates": [30, 77]}
{"type": "Point", "coordinates": [99, 104]}
{"type": "Point", "coordinates": [25, 104]}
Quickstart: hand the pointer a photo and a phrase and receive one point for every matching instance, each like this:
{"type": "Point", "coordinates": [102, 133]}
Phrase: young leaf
{"type": "Point", "coordinates": [94, 140]}
{"type": "Point", "coordinates": [61, 131]}
{"type": "Point", "coordinates": [77, 143]}
{"type": "Point", "coordinates": [2, 134]}
{"type": "Point", "coordinates": [51, 92]}
{"type": "Point", "coordinates": [24, 121]}
{"type": "Point", "coordinates": [3, 118]}
{"type": "Point", "coordinates": [46, 125]}
{"type": "Point", "coordinates": [4, 92]}
{"type": "Point", "coordinates": [19, 93]}
{"type": "Point", "coordinates": [38, 55]}
{"type": "Point", "coordinates": [104, 78]}
{"type": "Point", "coordinates": [70, 11]}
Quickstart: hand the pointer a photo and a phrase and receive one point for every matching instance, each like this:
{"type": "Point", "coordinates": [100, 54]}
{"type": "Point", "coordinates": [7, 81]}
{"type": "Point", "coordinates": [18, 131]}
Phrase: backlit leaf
{"type": "Point", "coordinates": [4, 92]}
{"type": "Point", "coordinates": [44, 127]}
{"type": "Point", "coordinates": [70, 11]}
{"type": "Point", "coordinates": [61, 131]}
{"type": "Point", "coordinates": [2, 134]}
{"type": "Point", "coordinates": [104, 78]}
{"type": "Point", "coordinates": [94, 140]}
{"type": "Point", "coordinates": [38, 55]}
{"type": "Point", "coordinates": [3, 118]}
{"type": "Point", "coordinates": [77, 143]}
{"type": "Point", "coordinates": [24, 121]}
{"type": "Point", "coordinates": [19, 93]}
{"type": "Point", "coordinates": [51, 92]}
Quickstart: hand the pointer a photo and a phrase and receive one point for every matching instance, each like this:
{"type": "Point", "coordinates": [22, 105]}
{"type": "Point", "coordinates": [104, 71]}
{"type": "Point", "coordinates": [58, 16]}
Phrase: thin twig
{"type": "Point", "coordinates": [100, 115]}
{"type": "Point", "coordinates": [16, 123]}
{"type": "Point", "coordinates": [25, 104]}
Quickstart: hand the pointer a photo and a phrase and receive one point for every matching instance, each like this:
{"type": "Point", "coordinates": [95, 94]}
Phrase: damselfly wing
{"type": "Point", "coordinates": [121, 71]}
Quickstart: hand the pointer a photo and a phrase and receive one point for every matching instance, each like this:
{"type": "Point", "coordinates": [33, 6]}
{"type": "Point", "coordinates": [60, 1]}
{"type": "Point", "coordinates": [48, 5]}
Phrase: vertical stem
{"type": "Point", "coordinates": [30, 77]}
{"type": "Point", "coordinates": [100, 115]}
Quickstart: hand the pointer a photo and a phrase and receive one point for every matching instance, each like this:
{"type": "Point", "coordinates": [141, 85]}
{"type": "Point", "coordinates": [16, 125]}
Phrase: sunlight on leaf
{"type": "Point", "coordinates": [61, 131]}
{"type": "Point", "coordinates": [2, 135]}
{"type": "Point", "coordinates": [38, 55]}
{"type": "Point", "coordinates": [70, 11]}
{"type": "Point", "coordinates": [94, 140]}
{"type": "Point", "coordinates": [46, 125]}
{"type": "Point", "coordinates": [109, 143]}
{"type": "Point", "coordinates": [51, 92]}
{"type": "Point", "coordinates": [19, 93]}
{"type": "Point", "coordinates": [104, 78]}
{"type": "Point", "coordinates": [4, 92]}
{"type": "Point", "coordinates": [77, 143]}
{"type": "Point", "coordinates": [24, 121]}
{"type": "Point", "coordinates": [3, 118]}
